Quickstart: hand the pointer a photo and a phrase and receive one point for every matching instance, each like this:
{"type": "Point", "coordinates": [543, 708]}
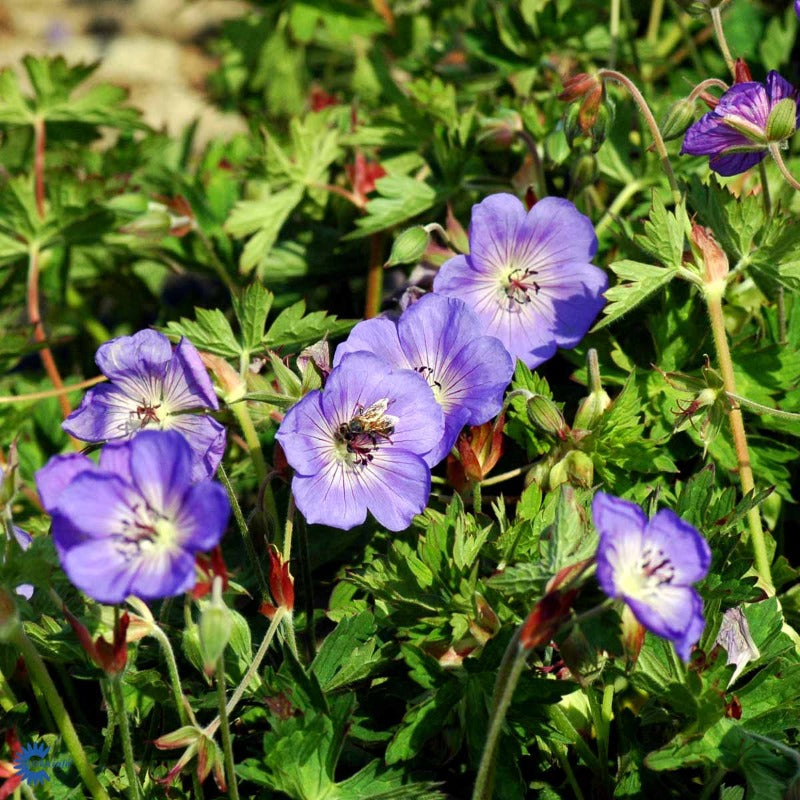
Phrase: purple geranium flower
{"type": "Point", "coordinates": [651, 565]}
{"type": "Point", "coordinates": [361, 445]}
{"type": "Point", "coordinates": [735, 133]}
{"type": "Point", "coordinates": [152, 385]}
{"type": "Point", "coordinates": [528, 275]}
{"type": "Point", "coordinates": [133, 524]}
{"type": "Point", "coordinates": [440, 338]}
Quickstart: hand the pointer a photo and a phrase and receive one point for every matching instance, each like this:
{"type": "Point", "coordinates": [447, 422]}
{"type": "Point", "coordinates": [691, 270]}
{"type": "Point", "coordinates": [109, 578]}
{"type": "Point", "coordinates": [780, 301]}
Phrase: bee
{"type": "Point", "coordinates": [369, 426]}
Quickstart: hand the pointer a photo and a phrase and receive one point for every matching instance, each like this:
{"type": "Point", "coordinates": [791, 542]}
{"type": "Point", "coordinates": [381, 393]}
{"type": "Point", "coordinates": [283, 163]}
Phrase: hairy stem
{"type": "Point", "coordinates": [716, 19]}
{"type": "Point", "coordinates": [650, 120]}
{"type": "Point", "coordinates": [225, 731]}
{"type": "Point", "coordinates": [244, 531]}
{"type": "Point", "coordinates": [31, 396]}
{"type": "Point", "coordinates": [280, 613]}
{"type": "Point", "coordinates": [41, 678]}
{"type": "Point", "coordinates": [775, 151]}
{"type": "Point", "coordinates": [308, 588]}
{"type": "Point", "coordinates": [713, 297]}
{"type": "Point", "coordinates": [506, 682]}
{"type": "Point", "coordinates": [125, 736]}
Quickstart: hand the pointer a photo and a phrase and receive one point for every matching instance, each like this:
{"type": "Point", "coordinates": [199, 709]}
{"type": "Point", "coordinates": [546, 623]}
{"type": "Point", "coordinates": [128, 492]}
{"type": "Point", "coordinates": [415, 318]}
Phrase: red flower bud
{"type": "Point", "coordinates": [281, 584]}
{"type": "Point", "coordinates": [741, 72]}
{"type": "Point", "coordinates": [110, 657]}
{"type": "Point", "coordinates": [545, 619]}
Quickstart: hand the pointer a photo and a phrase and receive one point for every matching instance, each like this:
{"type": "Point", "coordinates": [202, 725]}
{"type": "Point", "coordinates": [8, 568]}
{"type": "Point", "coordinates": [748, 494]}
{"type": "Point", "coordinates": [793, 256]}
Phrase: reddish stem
{"type": "Point", "coordinates": [38, 163]}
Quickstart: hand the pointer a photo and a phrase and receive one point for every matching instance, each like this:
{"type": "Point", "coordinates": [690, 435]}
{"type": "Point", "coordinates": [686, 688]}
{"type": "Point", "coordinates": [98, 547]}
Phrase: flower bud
{"type": "Point", "coordinates": [500, 131]}
{"type": "Point", "coordinates": [572, 125]}
{"type": "Point", "coordinates": [578, 86]}
{"type": "Point", "coordinates": [679, 116]}
{"type": "Point", "coordinates": [545, 619]}
{"type": "Point", "coordinates": [281, 584]}
{"type": "Point", "coordinates": [545, 414]}
{"type": "Point", "coordinates": [741, 72]}
{"type": "Point", "coordinates": [591, 408]}
{"type": "Point", "coordinates": [602, 123]}
{"type": "Point", "coordinates": [580, 469]}
{"type": "Point", "coordinates": [782, 120]}
{"type": "Point", "coordinates": [409, 246]}
{"type": "Point", "coordinates": [714, 259]}
{"type": "Point", "coordinates": [214, 629]}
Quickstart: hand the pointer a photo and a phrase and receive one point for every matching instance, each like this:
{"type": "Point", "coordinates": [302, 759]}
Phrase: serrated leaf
{"type": "Point", "coordinates": [293, 328]}
{"type": "Point", "coordinates": [401, 198]}
{"type": "Point", "coordinates": [251, 310]}
{"type": "Point", "coordinates": [637, 282]}
{"type": "Point", "coordinates": [210, 331]}
{"type": "Point", "coordinates": [265, 218]}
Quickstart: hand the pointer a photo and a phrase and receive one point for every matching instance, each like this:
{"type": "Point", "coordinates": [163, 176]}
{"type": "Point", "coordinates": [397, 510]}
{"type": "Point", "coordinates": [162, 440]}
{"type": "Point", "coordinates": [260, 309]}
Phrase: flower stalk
{"type": "Point", "coordinates": [41, 678]}
{"type": "Point", "coordinates": [757, 541]}
{"type": "Point", "coordinates": [225, 731]}
{"type": "Point", "coordinates": [125, 736]}
{"type": "Point", "coordinates": [650, 120]}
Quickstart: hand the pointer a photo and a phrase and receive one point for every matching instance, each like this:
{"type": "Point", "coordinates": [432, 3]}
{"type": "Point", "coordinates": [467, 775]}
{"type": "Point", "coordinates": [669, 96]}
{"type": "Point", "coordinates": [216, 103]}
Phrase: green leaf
{"type": "Point", "coordinates": [251, 310]}
{"type": "Point", "coordinates": [401, 199]}
{"type": "Point", "coordinates": [264, 218]}
{"type": "Point", "coordinates": [294, 329]}
{"type": "Point", "coordinates": [349, 653]}
{"type": "Point", "coordinates": [210, 331]}
{"type": "Point", "coordinates": [778, 256]}
{"type": "Point", "coordinates": [636, 283]}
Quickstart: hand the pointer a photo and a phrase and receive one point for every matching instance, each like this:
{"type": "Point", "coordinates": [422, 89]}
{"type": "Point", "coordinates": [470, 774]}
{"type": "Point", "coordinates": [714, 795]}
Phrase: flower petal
{"type": "Point", "coordinates": [307, 436]}
{"type": "Point", "coordinates": [554, 233]}
{"type": "Point", "coordinates": [747, 100]}
{"type": "Point", "coordinates": [161, 467]}
{"type": "Point", "coordinates": [378, 336]}
{"type": "Point", "coordinates": [206, 438]}
{"type": "Point", "coordinates": [136, 363]}
{"type": "Point", "coordinates": [186, 382]}
{"type": "Point", "coordinates": [329, 497]}
{"type": "Point", "coordinates": [735, 163]}
{"type": "Point", "coordinates": [106, 412]}
{"type": "Point", "coordinates": [493, 229]}
{"type": "Point", "coordinates": [674, 613]}
{"type": "Point", "coordinates": [710, 136]}
{"type": "Point", "coordinates": [57, 474]}
{"type": "Point", "coordinates": [621, 527]}
{"type": "Point", "coordinates": [203, 516]}
{"type": "Point", "coordinates": [682, 544]}
{"type": "Point", "coordinates": [97, 504]}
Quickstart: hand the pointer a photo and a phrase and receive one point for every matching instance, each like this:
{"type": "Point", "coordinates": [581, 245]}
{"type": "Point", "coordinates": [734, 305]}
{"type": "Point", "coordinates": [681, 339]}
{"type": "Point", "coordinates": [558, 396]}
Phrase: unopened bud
{"type": "Point", "coordinates": [782, 120]}
{"type": "Point", "coordinates": [572, 125]}
{"type": "Point", "coordinates": [155, 224]}
{"type": "Point", "coordinates": [409, 246]}
{"type": "Point", "coordinates": [501, 129]}
{"type": "Point", "coordinates": [714, 259]}
{"type": "Point", "coordinates": [741, 72]}
{"type": "Point", "coordinates": [214, 628]}
{"type": "Point", "coordinates": [591, 409]}
{"type": "Point", "coordinates": [580, 469]}
{"type": "Point", "coordinates": [545, 414]}
{"type": "Point", "coordinates": [602, 124]}
{"type": "Point", "coordinates": [578, 86]}
{"type": "Point", "coordinates": [679, 116]}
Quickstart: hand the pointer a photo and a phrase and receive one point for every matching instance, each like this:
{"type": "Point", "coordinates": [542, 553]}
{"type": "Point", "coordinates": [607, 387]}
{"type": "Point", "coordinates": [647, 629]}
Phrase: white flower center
{"type": "Point", "coordinates": [430, 376]}
{"type": "Point", "coordinates": [144, 532]}
{"type": "Point", "coordinates": [642, 577]}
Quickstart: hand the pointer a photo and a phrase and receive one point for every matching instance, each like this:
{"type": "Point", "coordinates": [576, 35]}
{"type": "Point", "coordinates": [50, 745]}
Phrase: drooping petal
{"type": "Point", "coordinates": [493, 229]}
{"type": "Point", "coordinates": [673, 612]}
{"type": "Point", "coordinates": [729, 164]}
{"type": "Point", "coordinates": [186, 381]}
{"type": "Point", "coordinates": [57, 474]}
{"type": "Point", "coordinates": [203, 516]}
{"type": "Point", "coordinates": [710, 136]}
{"type": "Point", "coordinates": [686, 549]}
{"type": "Point", "coordinates": [161, 467]}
